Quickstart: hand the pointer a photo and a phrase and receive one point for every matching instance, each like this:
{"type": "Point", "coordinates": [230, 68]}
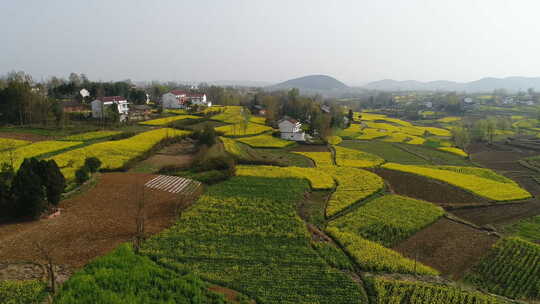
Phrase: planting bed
{"type": "Point", "coordinates": [92, 223]}
{"type": "Point", "coordinates": [420, 187]}
{"type": "Point", "coordinates": [450, 247]}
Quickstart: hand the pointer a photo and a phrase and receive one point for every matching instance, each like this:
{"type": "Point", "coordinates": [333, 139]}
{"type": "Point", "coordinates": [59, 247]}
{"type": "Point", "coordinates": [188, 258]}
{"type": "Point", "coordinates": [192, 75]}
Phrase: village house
{"type": "Point", "coordinates": [178, 99]}
{"type": "Point", "coordinates": [100, 106]}
{"type": "Point", "coordinates": [291, 129]}
{"type": "Point", "coordinates": [74, 106]}
{"type": "Point", "coordinates": [139, 112]}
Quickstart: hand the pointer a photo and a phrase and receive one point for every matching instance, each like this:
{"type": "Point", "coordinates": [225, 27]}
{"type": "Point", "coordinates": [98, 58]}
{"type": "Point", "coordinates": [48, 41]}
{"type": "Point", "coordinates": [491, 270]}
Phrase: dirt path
{"type": "Point", "coordinates": [92, 223]}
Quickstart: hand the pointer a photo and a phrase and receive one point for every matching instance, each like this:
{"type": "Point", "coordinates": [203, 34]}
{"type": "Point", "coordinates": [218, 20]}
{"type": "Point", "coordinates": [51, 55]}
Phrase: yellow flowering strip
{"type": "Point", "coordinates": [265, 141]}
{"type": "Point", "coordinates": [9, 143]}
{"type": "Point", "coordinates": [369, 133]}
{"type": "Point", "coordinates": [485, 187]}
{"type": "Point", "coordinates": [480, 172]}
{"type": "Point", "coordinates": [234, 148]}
{"type": "Point", "coordinates": [321, 159]}
{"type": "Point", "coordinates": [114, 154]}
{"type": "Point", "coordinates": [415, 140]}
{"type": "Point", "coordinates": [454, 150]}
{"type": "Point", "coordinates": [382, 220]}
{"type": "Point", "coordinates": [34, 150]}
{"type": "Point", "coordinates": [176, 111]}
{"type": "Point", "coordinates": [353, 185]}
{"type": "Point", "coordinates": [382, 126]}
{"type": "Point", "coordinates": [240, 129]}
{"type": "Point", "coordinates": [352, 131]}
{"type": "Point", "coordinates": [334, 140]}
{"type": "Point", "coordinates": [449, 119]}
{"type": "Point", "coordinates": [437, 131]}
{"type": "Point", "coordinates": [90, 135]}
{"type": "Point", "coordinates": [368, 116]}
{"type": "Point", "coordinates": [258, 119]}
{"type": "Point", "coordinates": [318, 179]}
{"type": "Point", "coordinates": [397, 137]}
{"type": "Point", "coordinates": [230, 114]}
{"type": "Point", "coordinates": [346, 157]}
{"type": "Point", "coordinates": [167, 120]}
{"type": "Point", "coordinates": [371, 256]}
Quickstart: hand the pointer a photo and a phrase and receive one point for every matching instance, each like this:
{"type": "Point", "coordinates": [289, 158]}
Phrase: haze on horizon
{"type": "Point", "coordinates": [354, 41]}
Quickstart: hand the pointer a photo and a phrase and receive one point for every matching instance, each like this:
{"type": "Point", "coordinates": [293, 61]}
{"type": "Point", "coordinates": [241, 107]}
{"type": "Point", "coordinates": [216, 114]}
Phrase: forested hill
{"type": "Point", "coordinates": [312, 82]}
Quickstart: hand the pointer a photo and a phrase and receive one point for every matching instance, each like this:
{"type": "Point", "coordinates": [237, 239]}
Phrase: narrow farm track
{"type": "Point", "coordinates": [94, 222]}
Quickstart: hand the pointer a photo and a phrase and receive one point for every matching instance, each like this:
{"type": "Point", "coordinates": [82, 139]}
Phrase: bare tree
{"type": "Point", "coordinates": [139, 220]}
{"type": "Point", "coordinates": [46, 254]}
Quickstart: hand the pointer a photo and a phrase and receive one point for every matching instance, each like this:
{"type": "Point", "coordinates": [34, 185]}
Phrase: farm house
{"type": "Point", "coordinates": [100, 105]}
{"type": "Point", "coordinates": [291, 129]}
{"type": "Point", "coordinates": [178, 99]}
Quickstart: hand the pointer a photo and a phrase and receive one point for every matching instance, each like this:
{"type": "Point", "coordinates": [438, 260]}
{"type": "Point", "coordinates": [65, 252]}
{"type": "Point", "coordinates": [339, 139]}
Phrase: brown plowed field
{"type": "Point", "coordinates": [92, 223]}
{"type": "Point", "coordinates": [499, 214]}
{"type": "Point", "coordinates": [448, 246]}
{"type": "Point", "coordinates": [428, 189]}
{"type": "Point", "coordinates": [25, 136]}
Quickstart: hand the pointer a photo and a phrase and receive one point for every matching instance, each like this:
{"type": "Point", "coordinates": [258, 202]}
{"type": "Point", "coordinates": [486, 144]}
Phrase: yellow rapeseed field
{"type": "Point", "coordinates": [346, 157]}
{"type": "Point", "coordinates": [242, 130]}
{"type": "Point", "coordinates": [114, 154]}
{"type": "Point", "coordinates": [91, 135]}
{"type": "Point", "coordinates": [317, 178]}
{"type": "Point", "coordinates": [167, 120]}
{"type": "Point", "coordinates": [454, 150]}
{"type": "Point", "coordinates": [485, 187]}
{"type": "Point", "coordinates": [16, 156]}
{"type": "Point", "coordinates": [9, 143]}
{"type": "Point", "coordinates": [321, 159]}
{"type": "Point", "coordinates": [265, 141]}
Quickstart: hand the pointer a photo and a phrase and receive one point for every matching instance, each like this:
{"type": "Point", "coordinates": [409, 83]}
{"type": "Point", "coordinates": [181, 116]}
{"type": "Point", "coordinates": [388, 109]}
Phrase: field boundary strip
{"type": "Point", "coordinates": [172, 184]}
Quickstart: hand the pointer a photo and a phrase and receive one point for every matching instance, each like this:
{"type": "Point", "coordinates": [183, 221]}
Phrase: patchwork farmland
{"type": "Point", "coordinates": [386, 210]}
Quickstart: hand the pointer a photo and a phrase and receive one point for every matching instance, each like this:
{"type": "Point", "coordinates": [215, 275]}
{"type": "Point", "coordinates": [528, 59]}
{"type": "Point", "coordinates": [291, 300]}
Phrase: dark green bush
{"type": "Point", "coordinates": [82, 175]}
{"type": "Point", "coordinates": [92, 163]}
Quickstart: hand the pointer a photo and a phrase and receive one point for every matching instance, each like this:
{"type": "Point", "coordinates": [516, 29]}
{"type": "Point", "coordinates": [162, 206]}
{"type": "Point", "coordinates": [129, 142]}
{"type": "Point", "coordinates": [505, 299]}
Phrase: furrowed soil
{"type": "Point", "coordinates": [427, 189]}
{"type": "Point", "coordinates": [91, 223]}
{"type": "Point", "coordinates": [25, 136]}
{"type": "Point", "coordinates": [448, 246]}
{"type": "Point", "coordinates": [503, 159]}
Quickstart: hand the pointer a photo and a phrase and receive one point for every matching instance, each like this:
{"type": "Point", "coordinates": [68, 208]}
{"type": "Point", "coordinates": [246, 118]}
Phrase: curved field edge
{"type": "Point", "coordinates": [245, 234]}
{"type": "Point", "coordinates": [353, 185]}
{"type": "Point", "coordinates": [484, 187]}
{"type": "Point", "coordinates": [382, 220]}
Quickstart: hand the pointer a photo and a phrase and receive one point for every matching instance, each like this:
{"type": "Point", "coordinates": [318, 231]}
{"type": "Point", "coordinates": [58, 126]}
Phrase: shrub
{"type": "Point", "coordinates": [92, 163]}
{"type": "Point", "coordinates": [54, 181]}
{"type": "Point", "coordinates": [28, 191]}
{"type": "Point", "coordinates": [22, 292]}
{"type": "Point", "coordinates": [82, 175]}
{"type": "Point", "coordinates": [206, 136]}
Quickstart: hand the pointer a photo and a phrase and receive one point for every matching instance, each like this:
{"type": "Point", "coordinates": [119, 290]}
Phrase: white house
{"type": "Point", "coordinates": [178, 99]}
{"type": "Point", "coordinates": [100, 105]}
{"type": "Point", "coordinates": [291, 129]}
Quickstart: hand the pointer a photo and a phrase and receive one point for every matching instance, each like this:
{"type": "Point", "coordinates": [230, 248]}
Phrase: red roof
{"type": "Point", "coordinates": [178, 92]}
{"type": "Point", "coordinates": [111, 98]}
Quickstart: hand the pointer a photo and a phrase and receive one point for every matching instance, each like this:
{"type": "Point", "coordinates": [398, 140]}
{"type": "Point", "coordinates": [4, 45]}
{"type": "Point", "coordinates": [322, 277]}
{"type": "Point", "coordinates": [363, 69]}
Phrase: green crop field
{"type": "Point", "coordinates": [388, 291]}
{"type": "Point", "coordinates": [511, 268]}
{"type": "Point", "coordinates": [389, 219]}
{"type": "Point", "coordinates": [245, 234]}
{"type": "Point", "coordinates": [384, 150]}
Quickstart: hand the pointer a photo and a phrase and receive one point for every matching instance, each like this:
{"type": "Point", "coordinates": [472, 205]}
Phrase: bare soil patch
{"type": "Point", "coordinates": [92, 223]}
{"type": "Point", "coordinates": [25, 136]}
{"type": "Point", "coordinates": [448, 246]}
{"type": "Point", "coordinates": [310, 148]}
{"type": "Point", "coordinates": [231, 295]}
{"type": "Point", "coordinates": [499, 214]}
{"type": "Point", "coordinates": [427, 189]}
{"type": "Point", "coordinates": [179, 155]}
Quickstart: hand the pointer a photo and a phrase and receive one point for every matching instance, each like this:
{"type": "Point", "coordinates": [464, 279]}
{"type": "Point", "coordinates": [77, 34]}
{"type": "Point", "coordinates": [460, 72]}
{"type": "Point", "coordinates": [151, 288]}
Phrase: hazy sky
{"type": "Point", "coordinates": [355, 41]}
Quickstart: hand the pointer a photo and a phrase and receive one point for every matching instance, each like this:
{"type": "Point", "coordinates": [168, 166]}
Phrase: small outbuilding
{"type": "Point", "coordinates": [101, 105]}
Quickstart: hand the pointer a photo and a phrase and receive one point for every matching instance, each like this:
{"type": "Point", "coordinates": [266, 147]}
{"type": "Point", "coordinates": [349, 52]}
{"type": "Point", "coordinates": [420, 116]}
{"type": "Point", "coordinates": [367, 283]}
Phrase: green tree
{"type": "Point", "coordinates": [27, 191]}
{"type": "Point", "coordinates": [53, 180]}
{"type": "Point", "coordinates": [460, 136]}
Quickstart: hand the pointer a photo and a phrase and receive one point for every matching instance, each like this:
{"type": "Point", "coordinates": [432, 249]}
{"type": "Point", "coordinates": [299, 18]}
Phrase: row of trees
{"type": "Point", "coordinates": [482, 130]}
{"type": "Point", "coordinates": [37, 185]}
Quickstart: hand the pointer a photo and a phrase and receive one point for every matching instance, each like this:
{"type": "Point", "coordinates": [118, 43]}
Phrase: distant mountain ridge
{"type": "Point", "coordinates": [312, 83]}
{"type": "Point", "coordinates": [487, 84]}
